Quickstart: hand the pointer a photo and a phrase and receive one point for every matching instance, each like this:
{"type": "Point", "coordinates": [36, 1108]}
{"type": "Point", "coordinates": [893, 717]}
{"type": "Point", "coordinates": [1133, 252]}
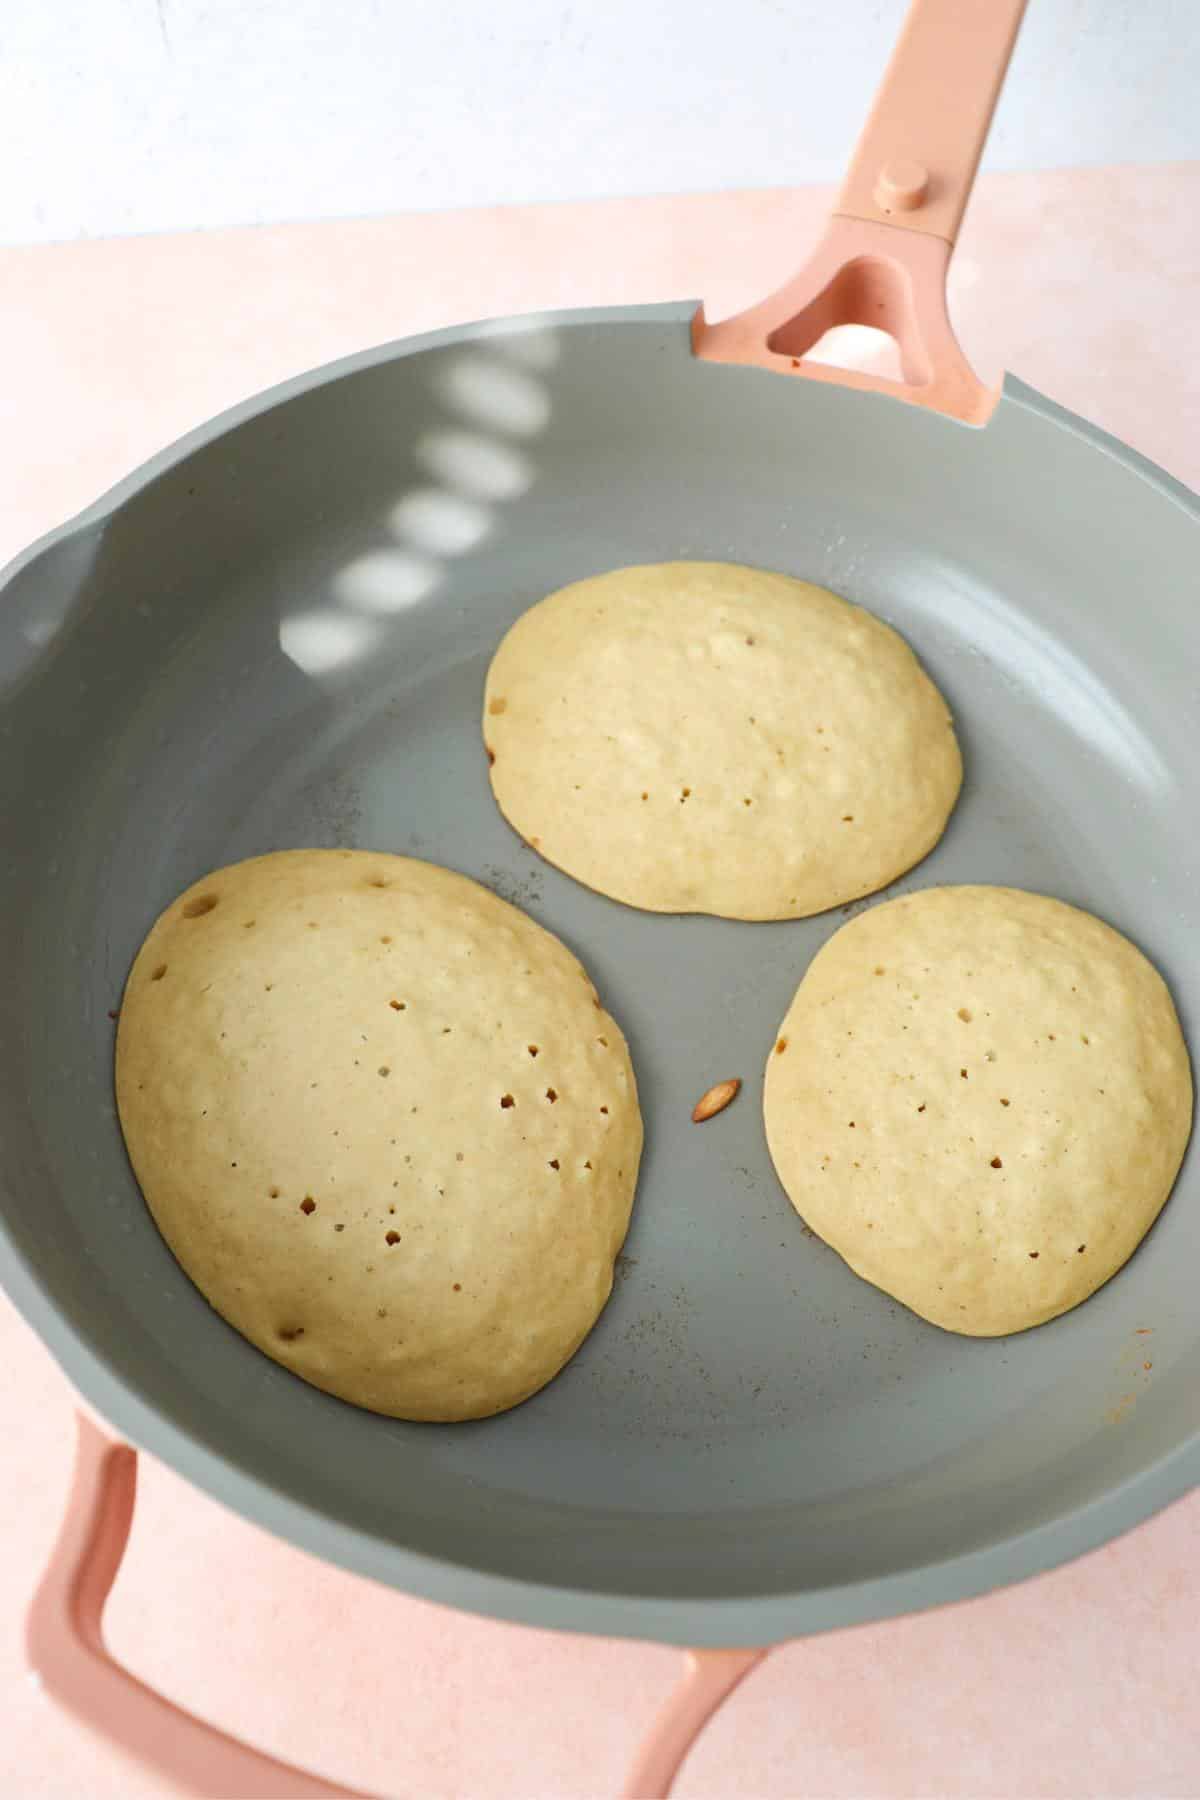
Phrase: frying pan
{"type": "Point", "coordinates": [275, 634]}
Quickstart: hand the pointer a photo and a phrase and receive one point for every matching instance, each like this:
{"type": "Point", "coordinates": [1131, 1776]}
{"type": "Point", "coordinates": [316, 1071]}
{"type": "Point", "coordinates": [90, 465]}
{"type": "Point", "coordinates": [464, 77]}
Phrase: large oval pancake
{"type": "Point", "coordinates": [383, 1122]}
{"type": "Point", "coordinates": [701, 737]}
{"type": "Point", "coordinates": [980, 1098]}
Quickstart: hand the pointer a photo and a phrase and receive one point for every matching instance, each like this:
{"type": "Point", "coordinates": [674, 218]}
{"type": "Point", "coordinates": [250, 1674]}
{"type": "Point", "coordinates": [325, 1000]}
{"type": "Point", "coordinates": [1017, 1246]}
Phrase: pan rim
{"type": "Point", "coordinates": [667, 312]}
{"type": "Point", "coordinates": [727, 1620]}
{"type": "Point", "coordinates": [708, 1622]}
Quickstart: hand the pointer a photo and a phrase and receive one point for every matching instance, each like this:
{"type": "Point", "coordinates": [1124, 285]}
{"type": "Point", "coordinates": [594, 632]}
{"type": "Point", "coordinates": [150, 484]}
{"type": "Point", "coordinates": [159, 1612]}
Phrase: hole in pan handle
{"type": "Point", "coordinates": [65, 1644]}
{"type": "Point", "coordinates": [886, 250]}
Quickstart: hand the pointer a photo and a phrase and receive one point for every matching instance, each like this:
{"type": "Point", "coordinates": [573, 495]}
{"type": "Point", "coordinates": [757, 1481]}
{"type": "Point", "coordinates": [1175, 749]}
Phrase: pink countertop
{"type": "Point", "coordinates": [1079, 1684]}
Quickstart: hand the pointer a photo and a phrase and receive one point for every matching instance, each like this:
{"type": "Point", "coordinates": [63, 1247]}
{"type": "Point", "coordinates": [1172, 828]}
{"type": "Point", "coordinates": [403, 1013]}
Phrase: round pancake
{"type": "Point", "coordinates": [980, 1098]}
{"type": "Point", "coordinates": [384, 1124]}
{"type": "Point", "coordinates": [701, 737]}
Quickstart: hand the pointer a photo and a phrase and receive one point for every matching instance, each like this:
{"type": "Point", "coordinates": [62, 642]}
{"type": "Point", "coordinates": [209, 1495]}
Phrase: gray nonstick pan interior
{"type": "Point", "coordinates": [277, 635]}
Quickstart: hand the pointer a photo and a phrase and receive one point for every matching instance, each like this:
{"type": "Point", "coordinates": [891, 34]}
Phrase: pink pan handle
{"type": "Point", "coordinates": [887, 247]}
{"type": "Point", "coordinates": [64, 1642]}
{"type": "Point", "coordinates": [65, 1645]}
{"type": "Point", "coordinates": [710, 1676]}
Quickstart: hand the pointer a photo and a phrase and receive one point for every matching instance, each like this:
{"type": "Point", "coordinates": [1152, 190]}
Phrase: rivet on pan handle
{"type": "Point", "coordinates": [887, 247]}
{"type": "Point", "coordinates": [65, 1645]}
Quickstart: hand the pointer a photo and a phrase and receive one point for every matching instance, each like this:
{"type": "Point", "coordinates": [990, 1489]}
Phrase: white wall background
{"type": "Point", "coordinates": [152, 115]}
